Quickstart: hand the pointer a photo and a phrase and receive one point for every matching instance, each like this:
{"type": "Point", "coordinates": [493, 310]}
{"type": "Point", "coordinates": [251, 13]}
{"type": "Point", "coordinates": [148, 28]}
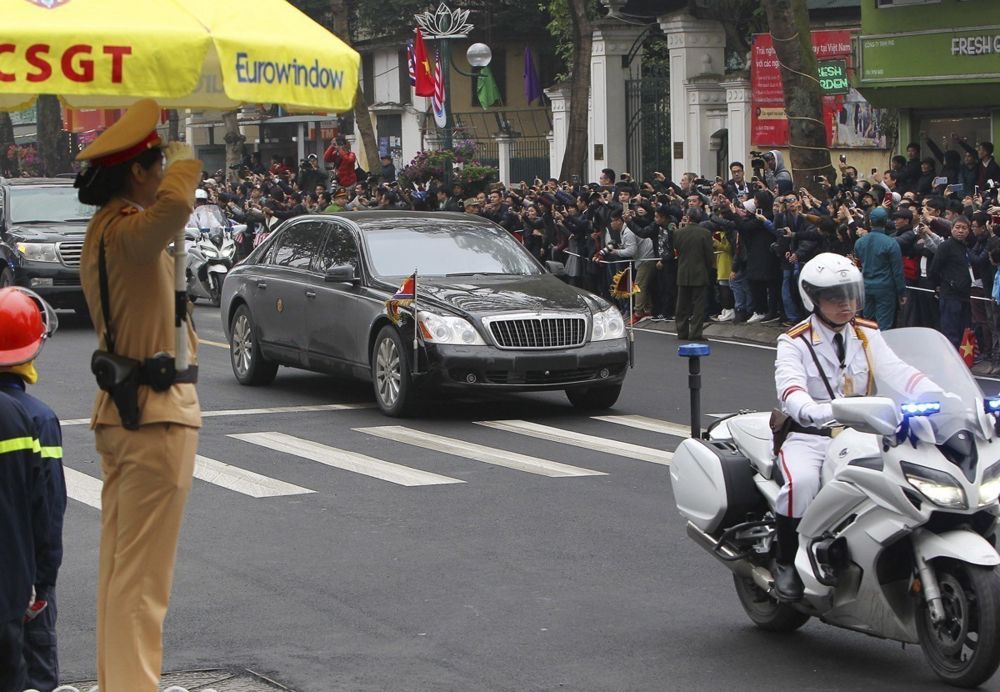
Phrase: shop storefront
{"type": "Point", "coordinates": [938, 63]}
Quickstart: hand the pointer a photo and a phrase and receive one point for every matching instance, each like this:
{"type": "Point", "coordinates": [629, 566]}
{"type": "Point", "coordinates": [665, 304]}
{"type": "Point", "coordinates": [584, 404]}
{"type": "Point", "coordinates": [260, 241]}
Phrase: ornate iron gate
{"type": "Point", "coordinates": [647, 133]}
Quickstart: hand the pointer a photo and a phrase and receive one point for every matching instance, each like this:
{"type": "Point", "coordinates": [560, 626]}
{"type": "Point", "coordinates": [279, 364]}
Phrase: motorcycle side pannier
{"type": "Point", "coordinates": [713, 484]}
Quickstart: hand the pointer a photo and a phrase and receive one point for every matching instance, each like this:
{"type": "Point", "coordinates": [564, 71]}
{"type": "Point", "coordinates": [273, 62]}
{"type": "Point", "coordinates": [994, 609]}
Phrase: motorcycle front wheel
{"type": "Point", "coordinates": [766, 612]}
{"type": "Point", "coordinates": [214, 291]}
{"type": "Point", "coordinates": [964, 648]}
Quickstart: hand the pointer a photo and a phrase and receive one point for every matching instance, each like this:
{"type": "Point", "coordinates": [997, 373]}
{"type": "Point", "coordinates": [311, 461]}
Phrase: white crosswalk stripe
{"type": "Point", "coordinates": [568, 437]}
{"type": "Point", "coordinates": [243, 481]}
{"type": "Point", "coordinates": [83, 488]}
{"type": "Point", "coordinates": [650, 424]}
{"type": "Point", "coordinates": [345, 460]}
{"type": "Point", "coordinates": [476, 452]}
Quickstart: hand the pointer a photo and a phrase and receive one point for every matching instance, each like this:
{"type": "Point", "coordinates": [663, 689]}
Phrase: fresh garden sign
{"type": "Point", "coordinates": [833, 77]}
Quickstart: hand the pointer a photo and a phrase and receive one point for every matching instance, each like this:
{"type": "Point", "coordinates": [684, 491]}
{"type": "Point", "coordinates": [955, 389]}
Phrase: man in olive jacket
{"type": "Point", "coordinates": [695, 273]}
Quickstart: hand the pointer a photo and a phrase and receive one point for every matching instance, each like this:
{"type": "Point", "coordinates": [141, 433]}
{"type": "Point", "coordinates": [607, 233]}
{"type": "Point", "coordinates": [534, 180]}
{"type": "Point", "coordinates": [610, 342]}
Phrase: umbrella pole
{"type": "Point", "coordinates": [180, 301]}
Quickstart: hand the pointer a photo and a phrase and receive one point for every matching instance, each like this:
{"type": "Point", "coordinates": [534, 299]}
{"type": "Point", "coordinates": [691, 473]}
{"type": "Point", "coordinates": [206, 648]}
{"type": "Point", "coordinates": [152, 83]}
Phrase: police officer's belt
{"type": "Point", "coordinates": [809, 430]}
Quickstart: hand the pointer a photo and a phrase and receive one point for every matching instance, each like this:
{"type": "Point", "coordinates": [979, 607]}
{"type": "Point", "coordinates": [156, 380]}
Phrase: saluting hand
{"type": "Point", "coordinates": [177, 151]}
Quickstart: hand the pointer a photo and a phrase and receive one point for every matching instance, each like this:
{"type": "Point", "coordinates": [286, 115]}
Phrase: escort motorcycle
{"type": "Point", "coordinates": [210, 256]}
{"type": "Point", "coordinates": [899, 543]}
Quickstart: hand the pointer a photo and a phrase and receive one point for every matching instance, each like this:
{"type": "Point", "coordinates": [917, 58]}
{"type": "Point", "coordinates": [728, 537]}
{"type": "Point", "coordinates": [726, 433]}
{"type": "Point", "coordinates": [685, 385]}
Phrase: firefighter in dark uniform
{"type": "Point", "coordinates": [21, 307]}
{"type": "Point", "coordinates": [24, 517]}
{"type": "Point", "coordinates": [146, 416]}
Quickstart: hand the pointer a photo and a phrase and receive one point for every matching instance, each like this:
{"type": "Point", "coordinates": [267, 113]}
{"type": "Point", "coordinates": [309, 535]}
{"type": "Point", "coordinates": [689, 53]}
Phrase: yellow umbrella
{"type": "Point", "coordinates": [201, 54]}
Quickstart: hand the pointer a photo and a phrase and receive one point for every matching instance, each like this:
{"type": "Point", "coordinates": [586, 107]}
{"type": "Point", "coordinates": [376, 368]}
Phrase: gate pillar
{"type": "Point", "coordinates": [738, 107]}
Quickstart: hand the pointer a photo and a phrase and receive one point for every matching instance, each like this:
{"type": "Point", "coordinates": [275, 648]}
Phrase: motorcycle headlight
{"type": "Point", "coordinates": [608, 324]}
{"type": "Point", "coordinates": [38, 252]}
{"type": "Point", "coordinates": [209, 251]}
{"type": "Point", "coordinates": [989, 489]}
{"type": "Point", "coordinates": [448, 329]}
{"type": "Point", "coordinates": [936, 486]}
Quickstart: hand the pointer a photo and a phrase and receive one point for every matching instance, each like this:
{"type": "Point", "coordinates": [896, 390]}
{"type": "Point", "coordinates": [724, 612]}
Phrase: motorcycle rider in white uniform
{"type": "Point", "coordinates": [830, 354]}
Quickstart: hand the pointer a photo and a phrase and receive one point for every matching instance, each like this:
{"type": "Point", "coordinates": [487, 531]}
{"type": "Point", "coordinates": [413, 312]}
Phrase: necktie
{"type": "Point", "coordinates": [838, 341]}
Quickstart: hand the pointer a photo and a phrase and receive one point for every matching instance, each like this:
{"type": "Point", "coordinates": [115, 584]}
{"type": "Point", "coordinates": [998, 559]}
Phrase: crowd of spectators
{"type": "Point", "coordinates": [925, 232]}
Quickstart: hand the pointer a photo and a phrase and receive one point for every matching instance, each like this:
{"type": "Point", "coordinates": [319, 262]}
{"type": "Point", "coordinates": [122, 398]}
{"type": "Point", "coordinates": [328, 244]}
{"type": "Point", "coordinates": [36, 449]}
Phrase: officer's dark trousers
{"type": "Point", "coordinates": [11, 656]}
{"type": "Point", "coordinates": [880, 305]}
{"type": "Point", "coordinates": [40, 646]}
{"type": "Point", "coordinates": [955, 317]}
{"type": "Point", "coordinates": [690, 311]}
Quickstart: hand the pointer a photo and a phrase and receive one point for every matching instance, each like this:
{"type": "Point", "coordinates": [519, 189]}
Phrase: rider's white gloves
{"type": "Point", "coordinates": [819, 415]}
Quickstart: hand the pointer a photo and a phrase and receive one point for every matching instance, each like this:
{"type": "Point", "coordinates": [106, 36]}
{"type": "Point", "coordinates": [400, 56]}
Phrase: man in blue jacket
{"type": "Point", "coordinates": [40, 629]}
{"type": "Point", "coordinates": [882, 268]}
{"type": "Point", "coordinates": [24, 518]}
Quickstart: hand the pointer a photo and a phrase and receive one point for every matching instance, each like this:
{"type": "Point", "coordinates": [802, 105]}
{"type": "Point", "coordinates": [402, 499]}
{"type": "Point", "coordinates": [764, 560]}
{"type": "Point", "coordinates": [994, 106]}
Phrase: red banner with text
{"type": "Point", "coordinates": [850, 120]}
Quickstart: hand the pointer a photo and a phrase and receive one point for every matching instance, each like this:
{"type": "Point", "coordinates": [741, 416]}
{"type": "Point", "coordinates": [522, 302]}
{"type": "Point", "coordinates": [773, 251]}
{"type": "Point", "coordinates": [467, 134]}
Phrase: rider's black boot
{"type": "Point", "coordinates": [787, 584]}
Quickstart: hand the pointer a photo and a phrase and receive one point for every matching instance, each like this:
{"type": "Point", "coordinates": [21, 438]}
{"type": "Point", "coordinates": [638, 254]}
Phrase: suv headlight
{"type": "Point", "coordinates": [608, 324]}
{"type": "Point", "coordinates": [936, 486]}
{"type": "Point", "coordinates": [38, 252]}
{"type": "Point", "coordinates": [989, 489]}
{"type": "Point", "coordinates": [448, 329]}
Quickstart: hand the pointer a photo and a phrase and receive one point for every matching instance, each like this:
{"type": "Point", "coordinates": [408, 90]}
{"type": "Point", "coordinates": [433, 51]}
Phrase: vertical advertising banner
{"type": "Point", "coordinates": [850, 120]}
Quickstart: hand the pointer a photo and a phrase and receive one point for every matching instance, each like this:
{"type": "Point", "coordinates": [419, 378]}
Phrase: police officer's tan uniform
{"type": "Point", "coordinates": [147, 472]}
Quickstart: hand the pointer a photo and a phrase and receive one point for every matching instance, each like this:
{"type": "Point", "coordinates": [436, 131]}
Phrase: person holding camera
{"type": "Point", "coordinates": [339, 155]}
{"type": "Point", "coordinates": [639, 249]}
{"type": "Point", "coordinates": [147, 425]}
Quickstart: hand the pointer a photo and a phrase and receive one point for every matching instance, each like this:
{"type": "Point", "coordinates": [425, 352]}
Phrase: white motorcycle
{"type": "Point", "coordinates": [210, 256]}
{"type": "Point", "coordinates": [899, 543]}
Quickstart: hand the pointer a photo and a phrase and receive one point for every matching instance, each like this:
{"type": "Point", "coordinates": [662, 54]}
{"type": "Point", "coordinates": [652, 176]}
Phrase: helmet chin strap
{"type": "Point", "coordinates": [828, 323]}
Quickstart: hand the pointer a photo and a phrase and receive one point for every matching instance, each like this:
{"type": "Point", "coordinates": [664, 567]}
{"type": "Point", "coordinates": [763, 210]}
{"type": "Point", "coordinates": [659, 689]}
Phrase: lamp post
{"type": "Point", "coordinates": [444, 25]}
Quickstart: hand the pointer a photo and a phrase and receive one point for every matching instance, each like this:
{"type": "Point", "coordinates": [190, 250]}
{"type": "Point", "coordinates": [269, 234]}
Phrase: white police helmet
{"type": "Point", "coordinates": [831, 276]}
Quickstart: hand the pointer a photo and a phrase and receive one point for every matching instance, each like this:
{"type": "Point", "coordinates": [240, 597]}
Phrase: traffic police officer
{"type": "Point", "coordinates": [830, 354]}
{"type": "Point", "coordinates": [148, 461]}
{"type": "Point", "coordinates": [35, 322]}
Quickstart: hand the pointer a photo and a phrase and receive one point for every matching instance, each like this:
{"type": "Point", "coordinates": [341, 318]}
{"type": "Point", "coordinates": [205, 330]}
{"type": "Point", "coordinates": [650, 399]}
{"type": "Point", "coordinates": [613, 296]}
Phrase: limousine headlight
{"type": "Point", "coordinates": [608, 324]}
{"type": "Point", "coordinates": [448, 329]}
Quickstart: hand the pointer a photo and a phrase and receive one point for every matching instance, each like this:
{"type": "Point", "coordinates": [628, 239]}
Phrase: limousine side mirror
{"type": "Point", "coordinates": [341, 273]}
{"type": "Point", "coordinates": [557, 268]}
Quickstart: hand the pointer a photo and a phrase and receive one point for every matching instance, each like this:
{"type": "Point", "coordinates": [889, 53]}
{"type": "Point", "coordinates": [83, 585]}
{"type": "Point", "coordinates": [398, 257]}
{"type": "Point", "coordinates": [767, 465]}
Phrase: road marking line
{"type": "Point", "coordinates": [217, 344]}
{"type": "Point", "coordinates": [83, 488]}
{"type": "Point", "coordinates": [600, 444]}
{"type": "Point", "coordinates": [253, 411]}
{"type": "Point", "coordinates": [243, 481]}
{"type": "Point", "coordinates": [345, 460]}
{"type": "Point", "coordinates": [475, 452]}
{"type": "Point", "coordinates": [646, 423]}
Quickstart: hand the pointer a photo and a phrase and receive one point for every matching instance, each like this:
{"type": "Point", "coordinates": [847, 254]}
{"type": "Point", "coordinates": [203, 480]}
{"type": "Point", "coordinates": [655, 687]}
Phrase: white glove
{"type": "Point", "coordinates": [818, 414]}
{"type": "Point", "coordinates": [177, 151]}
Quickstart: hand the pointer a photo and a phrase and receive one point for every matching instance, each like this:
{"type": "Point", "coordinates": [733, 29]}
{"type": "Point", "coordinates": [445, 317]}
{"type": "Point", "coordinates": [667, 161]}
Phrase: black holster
{"type": "Point", "coordinates": [119, 376]}
{"type": "Point", "coordinates": [781, 424]}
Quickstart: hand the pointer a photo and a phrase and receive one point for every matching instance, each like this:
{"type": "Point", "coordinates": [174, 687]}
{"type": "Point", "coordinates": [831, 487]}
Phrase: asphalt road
{"type": "Point", "coordinates": [479, 577]}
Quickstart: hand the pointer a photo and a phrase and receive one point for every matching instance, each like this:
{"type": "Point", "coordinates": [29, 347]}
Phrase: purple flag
{"type": "Point", "coordinates": [532, 89]}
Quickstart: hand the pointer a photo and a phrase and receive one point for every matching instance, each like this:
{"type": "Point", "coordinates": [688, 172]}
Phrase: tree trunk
{"type": "Point", "coordinates": [340, 25]}
{"type": "Point", "coordinates": [809, 154]}
{"type": "Point", "coordinates": [575, 159]}
{"type": "Point", "coordinates": [53, 143]}
{"type": "Point", "coordinates": [173, 126]}
{"type": "Point", "coordinates": [234, 144]}
{"type": "Point", "coordinates": [8, 165]}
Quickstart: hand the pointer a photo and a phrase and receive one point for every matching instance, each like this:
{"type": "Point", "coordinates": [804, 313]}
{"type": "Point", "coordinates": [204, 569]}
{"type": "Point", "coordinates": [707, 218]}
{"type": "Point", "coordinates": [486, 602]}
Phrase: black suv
{"type": "Point", "coordinates": [42, 224]}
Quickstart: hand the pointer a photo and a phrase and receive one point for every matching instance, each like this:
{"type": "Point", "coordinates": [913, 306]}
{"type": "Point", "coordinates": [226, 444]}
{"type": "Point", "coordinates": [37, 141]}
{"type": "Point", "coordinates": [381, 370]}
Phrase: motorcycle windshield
{"type": "Point", "coordinates": [961, 399]}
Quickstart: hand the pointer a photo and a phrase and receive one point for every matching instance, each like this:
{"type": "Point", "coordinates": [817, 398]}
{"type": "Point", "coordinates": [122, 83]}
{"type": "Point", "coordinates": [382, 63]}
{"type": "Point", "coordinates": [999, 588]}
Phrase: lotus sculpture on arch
{"type": "Point", "coordinates": [444, 22]}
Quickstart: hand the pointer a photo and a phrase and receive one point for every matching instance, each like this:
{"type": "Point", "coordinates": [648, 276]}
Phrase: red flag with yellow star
{"type": "Point", "coordinates": [967, 348]}
{"type": "Point", "coordinates": [425, 76]}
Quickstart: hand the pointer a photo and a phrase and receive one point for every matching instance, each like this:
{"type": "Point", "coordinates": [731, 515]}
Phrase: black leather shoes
{"type": "Point", "coordinates": [787, 585]}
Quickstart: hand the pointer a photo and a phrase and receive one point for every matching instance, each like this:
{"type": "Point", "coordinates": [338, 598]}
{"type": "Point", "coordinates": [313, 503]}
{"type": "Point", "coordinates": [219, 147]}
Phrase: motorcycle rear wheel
{"type": "Point", "coordinates": [963, 650]}
{"type": "Point", "coordinates": [766, 612]}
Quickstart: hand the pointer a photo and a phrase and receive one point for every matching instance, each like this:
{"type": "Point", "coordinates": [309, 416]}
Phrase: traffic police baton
{"type": "Point", "coordinates": [180, 302]}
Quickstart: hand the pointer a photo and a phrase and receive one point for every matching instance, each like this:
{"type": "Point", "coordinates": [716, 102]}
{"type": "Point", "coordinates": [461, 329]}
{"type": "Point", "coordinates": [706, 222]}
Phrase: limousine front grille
{"type": "Point", "coordinates": [537, 332]}
{"type": "Point", "coordinates": [70, 251]}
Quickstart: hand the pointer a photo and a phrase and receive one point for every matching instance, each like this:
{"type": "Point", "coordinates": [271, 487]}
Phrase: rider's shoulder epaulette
{"type": "Point", "coordinates": [128, 210]}
{"type": "Point", "coordinates": [871, 324]}
{"type": "Point", "coordinates": [798, 329]}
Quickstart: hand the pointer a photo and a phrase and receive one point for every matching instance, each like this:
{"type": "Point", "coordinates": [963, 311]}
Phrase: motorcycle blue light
{"type": "Point", "coordinates": [924, 409]}
{"type": "Point", "coordinates": [992, 405]}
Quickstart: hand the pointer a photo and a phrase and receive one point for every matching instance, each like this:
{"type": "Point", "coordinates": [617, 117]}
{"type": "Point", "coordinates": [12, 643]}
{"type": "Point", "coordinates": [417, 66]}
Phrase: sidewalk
{"type": "Point", "coordinates": [759, 334]}
{"type": "Point", "coordinates": [219, 680]}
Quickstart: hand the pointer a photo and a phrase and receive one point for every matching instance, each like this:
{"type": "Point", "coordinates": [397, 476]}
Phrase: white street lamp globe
{"type": "Point", "coordinates": [479, 55]}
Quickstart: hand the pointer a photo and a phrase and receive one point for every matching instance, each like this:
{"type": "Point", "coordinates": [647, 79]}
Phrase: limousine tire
{"type": "Point", "coordinates": [391, 374]}
{"type": "Point", "coordinates": [249, 364]}
{"type": "Point", "coordinates": [594, 398]}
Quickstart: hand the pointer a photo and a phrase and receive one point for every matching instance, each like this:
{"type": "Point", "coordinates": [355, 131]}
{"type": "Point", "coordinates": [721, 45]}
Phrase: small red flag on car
{"type": "Point", "coordinates": [402, 298]}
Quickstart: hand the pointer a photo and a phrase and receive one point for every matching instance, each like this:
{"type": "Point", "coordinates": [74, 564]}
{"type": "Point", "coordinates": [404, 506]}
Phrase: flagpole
{"type": "Point", "coordinates": [416, 326]}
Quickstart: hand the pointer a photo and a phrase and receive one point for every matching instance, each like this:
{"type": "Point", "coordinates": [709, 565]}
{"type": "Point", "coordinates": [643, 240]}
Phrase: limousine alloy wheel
{"type": "Point", "coordinates": [391, 374]}
{"type": "Point", "coordinates": [249, 364]}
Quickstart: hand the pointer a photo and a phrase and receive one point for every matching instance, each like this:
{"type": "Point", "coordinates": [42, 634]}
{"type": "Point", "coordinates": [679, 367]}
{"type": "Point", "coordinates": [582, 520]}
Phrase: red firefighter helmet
{"type": "Point", "coordinates": [26, 321]}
